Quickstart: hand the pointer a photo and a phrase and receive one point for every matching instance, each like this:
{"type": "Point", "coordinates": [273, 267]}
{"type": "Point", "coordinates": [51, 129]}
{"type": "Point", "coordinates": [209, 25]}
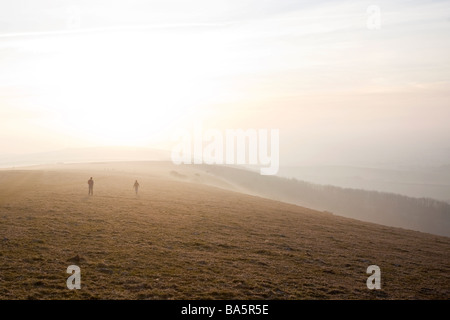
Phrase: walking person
{"type": "Point", "coordinates": [91, 186]}
{"type": "Point", "coordinates": [136, 186]}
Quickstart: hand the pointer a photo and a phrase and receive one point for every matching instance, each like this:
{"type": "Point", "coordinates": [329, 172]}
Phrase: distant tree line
{"type": "Point", "coordinates": [422, 214]}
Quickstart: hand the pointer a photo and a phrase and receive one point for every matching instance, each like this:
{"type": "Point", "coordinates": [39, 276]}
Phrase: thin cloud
{"type": "Point", "coordinates": [112, 28]}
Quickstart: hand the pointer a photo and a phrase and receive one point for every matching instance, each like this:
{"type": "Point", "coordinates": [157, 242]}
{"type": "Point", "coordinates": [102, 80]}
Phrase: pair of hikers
{"type": "Point", "coordinates": [91, 186]}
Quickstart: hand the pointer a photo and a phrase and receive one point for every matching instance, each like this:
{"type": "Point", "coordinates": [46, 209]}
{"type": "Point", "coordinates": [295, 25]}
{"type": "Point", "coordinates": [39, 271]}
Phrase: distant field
{"type": "Point", "coordinates": [186, 237]}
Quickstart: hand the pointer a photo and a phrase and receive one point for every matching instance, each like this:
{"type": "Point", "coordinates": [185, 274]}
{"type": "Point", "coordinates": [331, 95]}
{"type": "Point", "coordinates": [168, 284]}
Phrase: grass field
{"type": "Point", "coordinates": [186, 237]}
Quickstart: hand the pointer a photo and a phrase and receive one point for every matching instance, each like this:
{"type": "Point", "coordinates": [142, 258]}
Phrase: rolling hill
{"type": "Point", "coordinates": [191, 234]}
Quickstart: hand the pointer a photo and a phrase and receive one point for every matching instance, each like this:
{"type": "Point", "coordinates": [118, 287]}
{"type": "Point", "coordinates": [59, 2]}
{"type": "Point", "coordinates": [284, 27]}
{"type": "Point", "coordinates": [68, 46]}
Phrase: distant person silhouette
{"type": "Point", "coordinates": [91, 186]}
{"type": "Point", "coordinates": [136, 187]}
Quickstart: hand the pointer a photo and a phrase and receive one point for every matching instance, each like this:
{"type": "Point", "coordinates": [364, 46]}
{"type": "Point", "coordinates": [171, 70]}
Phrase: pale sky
{"type": "Point", "coordinates": [93, 73]}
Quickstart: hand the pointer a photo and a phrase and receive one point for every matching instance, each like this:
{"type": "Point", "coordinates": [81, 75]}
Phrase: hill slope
{"type": "Point", "coordinates": [420, 214]}
{"type": "Point", "coordinates": [182, 239]}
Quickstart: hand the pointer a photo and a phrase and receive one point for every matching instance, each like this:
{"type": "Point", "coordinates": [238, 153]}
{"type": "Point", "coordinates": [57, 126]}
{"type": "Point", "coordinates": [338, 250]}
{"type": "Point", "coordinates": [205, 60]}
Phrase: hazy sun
{"type": "Point", "coordinates": [122, 90]}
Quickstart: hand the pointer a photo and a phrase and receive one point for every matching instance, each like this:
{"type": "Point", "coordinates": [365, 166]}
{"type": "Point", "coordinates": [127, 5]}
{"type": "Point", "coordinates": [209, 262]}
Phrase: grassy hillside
{"type": "Point", "coordinates": [183, 239]}
{"type": "Point", "coordinates": [420, 214]}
